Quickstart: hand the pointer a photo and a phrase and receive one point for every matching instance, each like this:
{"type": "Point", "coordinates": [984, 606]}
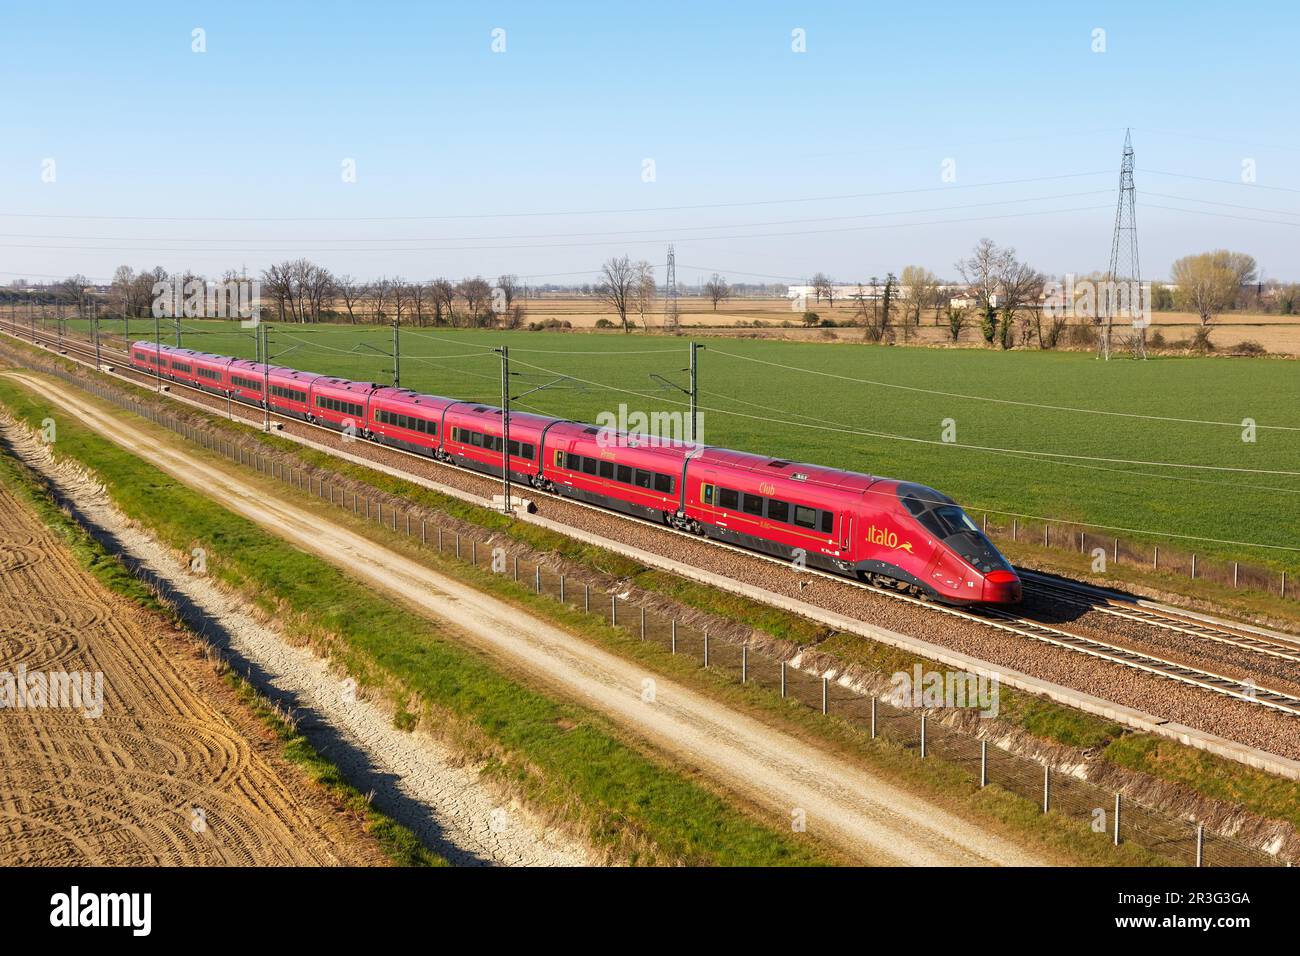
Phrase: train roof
{"type": "Point", "coordinates": [768, 467]}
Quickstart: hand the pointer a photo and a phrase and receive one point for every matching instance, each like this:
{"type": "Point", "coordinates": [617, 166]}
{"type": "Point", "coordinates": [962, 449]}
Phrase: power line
{"type": "Point", "coordinates": [570, 212]}
{"type": "Point", "coordinates": [554, 245]}
{"type": "Point", "coordinates": [985, 398]}
{"type": "Point", "coordinates": [930, 441]}
{"type": "Point", "coordinates": [567, 235]}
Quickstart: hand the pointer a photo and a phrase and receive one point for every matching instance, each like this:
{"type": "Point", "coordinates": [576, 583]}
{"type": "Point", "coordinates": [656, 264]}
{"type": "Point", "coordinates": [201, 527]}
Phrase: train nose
{"type": "Point", "coordinates": [1002, 587]}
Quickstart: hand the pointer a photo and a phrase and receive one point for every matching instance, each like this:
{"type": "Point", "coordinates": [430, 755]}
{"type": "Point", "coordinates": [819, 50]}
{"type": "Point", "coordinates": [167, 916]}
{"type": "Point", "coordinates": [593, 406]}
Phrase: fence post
{"type": "Point", "coordinates": [473, 551]}
{"type": "Point", "coordinates": [586, 598]}
{"type": "Point", "coordinates": [984, 763]}
{"type": "Point", "coordinates": [424, 533]}
{"type": "Point", "coordinates": [1047, 534]}
{"type": "Point", "coordinates": [643, 624]}
{"type": "Point", "coordinates": [744, 663]}
{"type": "Point", "coordinates": [561, 588]}
{"type": "Point", "coordinates": [825, 695]}
{"type": "Point", "coordinates": [515, 567]}
{"type": "Point", "coordinates": [674, 637]}
{"type": "Point", "coordinates": [1117, 799]}
{"type": "Point", "coordinates": [783, 679]}
{"type": "Point", "coordinates": [706, 647]}
{"type": "Point", "coordinates": [1115, 556]}
{"type": "Point", "coordinates": [923, 736]}
{"type": "Point", "coordinates": [613, 610]}
{"type": "Point", "coordinates": [1047, 786]}
{"type": "Point", "coordinates": [1083, 546]}
{"type": "Point", "coordinates": [440, 539]}
{"type": "Point", "coordinates": [537, 578]}
{"type": "Point", "coordinates": [1283, 594]}
{"type": "Point", "coordinates": [873, 716]}
{"type": "Point", "coordinates": [1193, 565]}
{"type": "Point", "coordinates": [1155, 560]}
{"type": "Point", "coordinates": [1234, 574]}
{"type": "Point", "coordinates": [458, 544]}
{"type": "Point", "coordinates": [1014, 528]}
{"type": "Point", "coordinates": [1200, 844]}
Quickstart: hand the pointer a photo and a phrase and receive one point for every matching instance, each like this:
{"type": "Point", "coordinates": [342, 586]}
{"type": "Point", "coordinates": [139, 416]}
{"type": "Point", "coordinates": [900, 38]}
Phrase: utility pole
{"type": "Point", "coordinates": [1125, 274]}
{"type": "Point", "coordinates": [157, 348]}
{"type": "Point", "coordinates": [397, 356]}
{"type": "Point", "coordinates": [504, 352]}
{"type": "Point", "coordinates": [94, 324]}
{"type": "Point", "coordinates": [178, 330]}
{"type": "Point", "coordinates": [695, 393]}
{"type": "Point", "coordinates": [266, 378]}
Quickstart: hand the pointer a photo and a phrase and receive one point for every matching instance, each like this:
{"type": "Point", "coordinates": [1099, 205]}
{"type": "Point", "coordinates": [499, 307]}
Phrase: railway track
{"type": "Point", "coordinates": [1249, 639]}
{"type": "Point", "coordinates": [1003, 620]}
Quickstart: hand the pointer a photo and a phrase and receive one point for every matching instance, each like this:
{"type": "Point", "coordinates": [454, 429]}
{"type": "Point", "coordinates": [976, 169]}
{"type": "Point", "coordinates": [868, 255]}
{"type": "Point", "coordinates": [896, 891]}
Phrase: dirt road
{"type": "Point", "coordinates": [844, 804]}
{"type": "Point", "coordinates": [172, 771]}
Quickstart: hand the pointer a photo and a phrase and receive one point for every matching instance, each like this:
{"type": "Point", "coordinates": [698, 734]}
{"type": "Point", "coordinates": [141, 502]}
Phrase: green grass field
{"type": "Point", "coordinates": [883, 411]}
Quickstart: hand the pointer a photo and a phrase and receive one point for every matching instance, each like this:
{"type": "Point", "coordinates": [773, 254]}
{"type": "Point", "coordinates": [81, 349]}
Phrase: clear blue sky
{"type": "Point", "coordinates": [561, 122]}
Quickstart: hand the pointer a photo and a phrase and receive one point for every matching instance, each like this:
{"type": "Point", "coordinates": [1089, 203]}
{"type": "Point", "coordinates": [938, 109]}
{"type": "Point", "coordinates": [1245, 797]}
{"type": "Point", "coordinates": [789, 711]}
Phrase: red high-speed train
{"type": "Point", "coordinates": [892, 533]}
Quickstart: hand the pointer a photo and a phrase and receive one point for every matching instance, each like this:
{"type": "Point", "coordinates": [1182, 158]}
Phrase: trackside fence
{"type": "Point", "coordinates": [1108, 814]}
{"type": "Point", "coordinates": [1112, 549]}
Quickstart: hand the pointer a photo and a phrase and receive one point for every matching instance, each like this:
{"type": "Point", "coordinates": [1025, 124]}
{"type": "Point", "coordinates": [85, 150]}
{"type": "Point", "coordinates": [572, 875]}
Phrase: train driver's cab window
{"type": "Point", "coordinates": [706, 494]}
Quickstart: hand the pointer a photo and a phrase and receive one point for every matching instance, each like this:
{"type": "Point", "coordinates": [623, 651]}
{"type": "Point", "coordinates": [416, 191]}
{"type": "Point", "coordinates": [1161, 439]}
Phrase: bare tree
{"type": "Point", "coordinates": [444, 302]}
{"type": "Point", "coordinates": [379, 294]}
{"type": "Point", "coordinates": [400, 296]}
{"type": "Point", "coordinates": [821, 285]}
{"type": "Point", "coordinates": [353, 292]}
{"type": "Point", "coordinates": [420, 295]}
{"type": "Point", "coordinates": [983, 272]}
{"type": "Point", "coordinates": [1209, 284]}
{"type": "Point", "coordinates": [1019, 288]}
{"type": "Point", "coordinates": [644, 290]}
{"type": "Point", "coordinates": [920, 288]}
{"type": "Point", "coordinates": [717, 290]}
{"type": "Point", "coordinates": [507, 290]}
{"type": "Point", "coordinates": [618, 280]}
{"type": "Point", "coordinates": [476, 293]}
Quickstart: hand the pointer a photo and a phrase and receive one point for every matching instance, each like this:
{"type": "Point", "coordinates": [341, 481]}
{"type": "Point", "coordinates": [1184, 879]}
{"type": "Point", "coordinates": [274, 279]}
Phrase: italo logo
{"type": "Point", "coordinates": [74, 908]}
{"type": "Point", "coordinates": [887, 539]}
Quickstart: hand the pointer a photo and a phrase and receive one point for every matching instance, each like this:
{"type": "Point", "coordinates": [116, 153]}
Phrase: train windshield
{"type": "Point", "coordinates": [944, 519]}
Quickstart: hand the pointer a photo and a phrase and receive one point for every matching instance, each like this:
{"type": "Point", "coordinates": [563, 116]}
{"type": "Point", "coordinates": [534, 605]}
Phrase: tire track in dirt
{"type": "Point", "coordinates": [165, 775]}
{"type": "Point", "coordinates": [843, 803]}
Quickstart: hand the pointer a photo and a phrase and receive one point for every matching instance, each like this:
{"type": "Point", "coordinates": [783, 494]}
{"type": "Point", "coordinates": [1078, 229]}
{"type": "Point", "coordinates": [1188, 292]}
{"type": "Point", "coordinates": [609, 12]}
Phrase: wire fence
{"type": "Point", "coordinates": [1108, 814]}
{"type": "Point", "coordinates": [1067, 536]}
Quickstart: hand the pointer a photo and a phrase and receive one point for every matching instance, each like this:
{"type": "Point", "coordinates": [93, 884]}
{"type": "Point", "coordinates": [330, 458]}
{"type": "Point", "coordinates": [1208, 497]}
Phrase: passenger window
{"type": "Point", "coordinates": [642, 478]}
{"type": "Point", "coordinates": [805, 517]}
{"type": "Point", "coordinates": [728, 499]}
{"type": "Point", "coordinates": [664, 483]}
{"type": "Point", "coordinates": [528, 451]}
{"type": "Point", "coordinates": [778, 510]}
{"type": "Point", "coordinates": [575, 463]}
{"type": "Point", "coordinates": [588, 466]}
{"type": "Point", "coordinates": [607, 469]}
{"type": "Point", "coordinates": [753, 505]}
{"type": "Point", "coordinates": [476, 439]}
{"type": "Point", "coordinates": [828, 521]}
{"type": "Point", "coordinates": [625, 474]}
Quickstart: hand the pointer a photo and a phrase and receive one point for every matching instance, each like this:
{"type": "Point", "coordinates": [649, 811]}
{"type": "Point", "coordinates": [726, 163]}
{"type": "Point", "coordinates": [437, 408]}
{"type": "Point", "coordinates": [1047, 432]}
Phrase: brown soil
{"type": "Point", "coordinates": [175, 771]}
